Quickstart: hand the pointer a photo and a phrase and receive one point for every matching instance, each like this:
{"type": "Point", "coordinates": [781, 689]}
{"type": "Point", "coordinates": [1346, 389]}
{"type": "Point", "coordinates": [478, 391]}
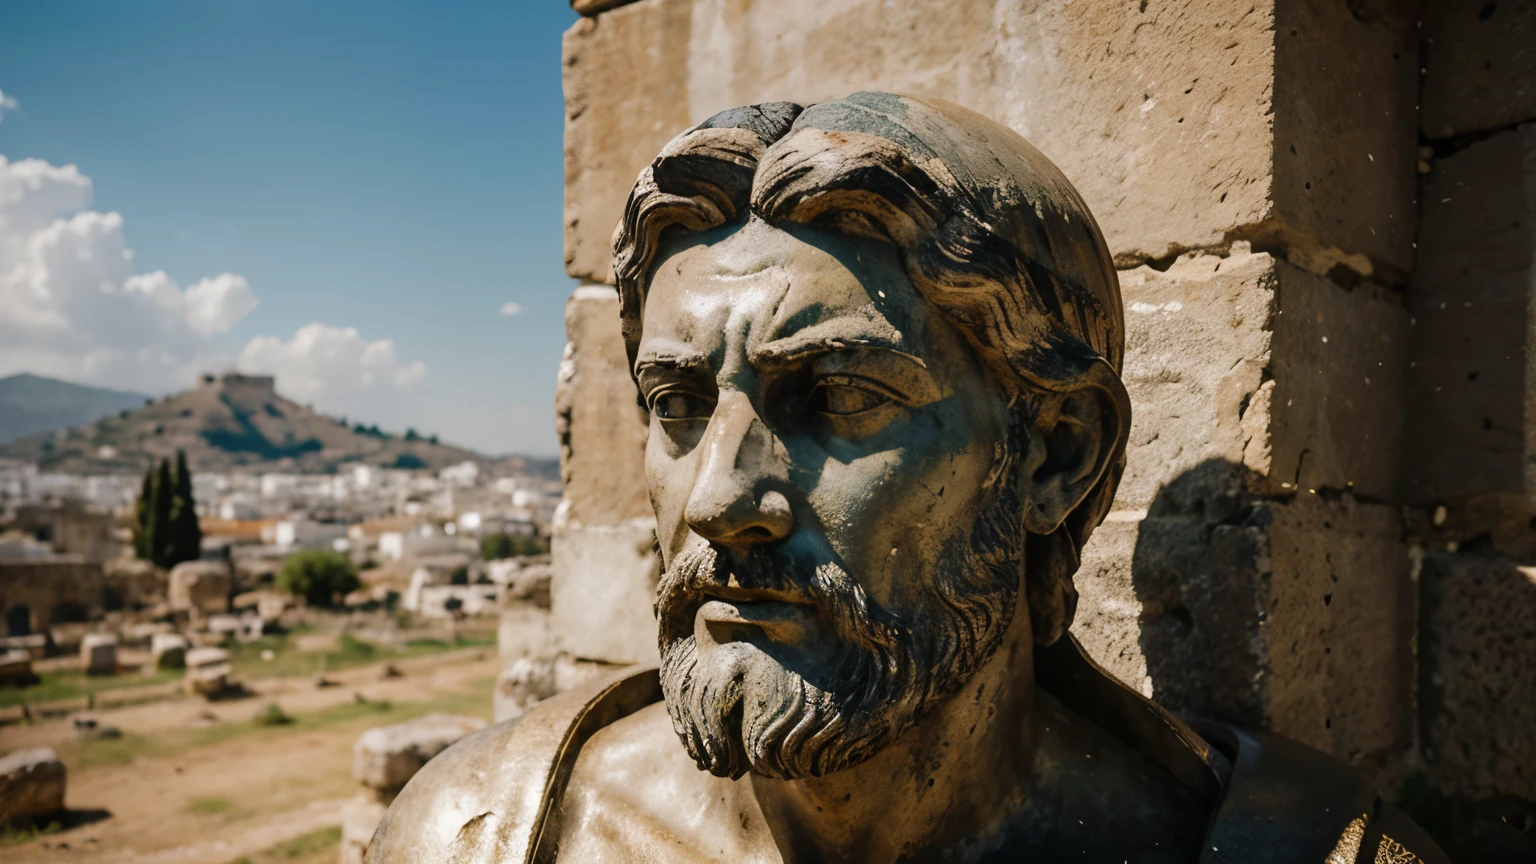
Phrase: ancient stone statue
{"type": "Point", "coordinates": [879, 340]}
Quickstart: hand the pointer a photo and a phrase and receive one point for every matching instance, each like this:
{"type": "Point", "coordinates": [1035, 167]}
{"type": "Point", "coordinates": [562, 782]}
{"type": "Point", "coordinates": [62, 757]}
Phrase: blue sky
{"type": "Point", "coordinates": [385, 166]}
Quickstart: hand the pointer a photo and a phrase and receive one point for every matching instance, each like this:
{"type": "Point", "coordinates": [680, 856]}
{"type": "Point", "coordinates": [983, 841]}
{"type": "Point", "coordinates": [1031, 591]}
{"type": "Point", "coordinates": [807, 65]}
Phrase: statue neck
{"type": "Point", "coordinates": [952, 780]}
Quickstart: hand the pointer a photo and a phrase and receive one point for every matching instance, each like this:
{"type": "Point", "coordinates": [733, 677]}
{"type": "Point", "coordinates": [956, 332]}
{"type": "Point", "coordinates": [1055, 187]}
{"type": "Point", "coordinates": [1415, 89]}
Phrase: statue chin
{"type": "Point", "coordinates": [742, 706]}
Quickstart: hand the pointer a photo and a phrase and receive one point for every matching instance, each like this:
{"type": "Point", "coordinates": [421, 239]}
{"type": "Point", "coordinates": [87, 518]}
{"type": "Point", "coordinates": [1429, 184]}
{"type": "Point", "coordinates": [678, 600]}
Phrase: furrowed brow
{"type": "Point", "coordinates": [671, 361]}
{"type": "Point", "coordinates": [785, 352]}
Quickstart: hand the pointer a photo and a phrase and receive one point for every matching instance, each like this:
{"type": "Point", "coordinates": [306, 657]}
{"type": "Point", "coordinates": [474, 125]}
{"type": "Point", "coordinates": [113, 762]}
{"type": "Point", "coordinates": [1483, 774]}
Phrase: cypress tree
{"type": "Point", "coordinates": [141, 511]}
{"type": "Point", "coordinates": [185, 535]}
{"type": "Point", "coordinates": [158, 537]}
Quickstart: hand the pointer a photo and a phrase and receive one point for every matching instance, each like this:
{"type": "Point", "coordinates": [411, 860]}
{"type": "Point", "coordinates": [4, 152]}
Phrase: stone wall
{"type": "Point", "coordinates": [63, 587]}
{"type": "Point", "coordinates": [1297, 323]}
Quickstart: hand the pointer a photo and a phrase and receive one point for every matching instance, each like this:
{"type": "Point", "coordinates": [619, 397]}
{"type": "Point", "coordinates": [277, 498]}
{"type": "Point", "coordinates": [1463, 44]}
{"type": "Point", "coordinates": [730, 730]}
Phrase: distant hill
{"type": "Point", "coordinates": [228, 421]}
{"type": "Point", "coordinates": [31, 403]}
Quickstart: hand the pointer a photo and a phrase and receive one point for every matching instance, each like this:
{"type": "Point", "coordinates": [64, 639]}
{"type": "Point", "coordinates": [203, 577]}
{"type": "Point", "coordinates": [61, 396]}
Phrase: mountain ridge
{"type": "Point", "coordinates": [30, 404]}
{"type": "Point", "coordinates": [227, 422]}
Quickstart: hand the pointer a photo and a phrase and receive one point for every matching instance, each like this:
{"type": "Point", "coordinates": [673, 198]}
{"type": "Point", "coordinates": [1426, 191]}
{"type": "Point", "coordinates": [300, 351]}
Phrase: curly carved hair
{"type": "Point", "coordinates": [988, 230]}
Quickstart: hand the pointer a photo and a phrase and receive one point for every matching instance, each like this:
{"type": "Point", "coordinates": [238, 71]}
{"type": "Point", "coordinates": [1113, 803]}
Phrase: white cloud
{"type": "Point", "coordinates": [217, 304]}
{"type": "Point", "coordinates": [7, 103]}
{"type": "Point", "coordinates": [335, 368]}
{"type": "Point", "coordinates": [71, 305]}
{"type": "Point", "coordinates": [510, 308]}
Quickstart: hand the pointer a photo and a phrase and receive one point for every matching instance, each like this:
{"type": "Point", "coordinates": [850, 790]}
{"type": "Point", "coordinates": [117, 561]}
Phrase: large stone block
{"type": "Point", "coordinates": [604, 590]}
{"type": "Point", "coordinates": [1346, 85]}
{"type": "Point", "coordinates": [1340, 626]}
{"type": "Point", "coordinates": [1473, 429]}
{"type": "Point", "coordinates": [1266, 367]}
{"type": "Point", "coordinates": [98, 654]}
{"type": "Point", "coordinates": [385, 758]}
{"type": "Point", "coordinates": [31, 785]}
{"type": "Point", "coordinates": [1160, 112]}
{"type": "Point", "coordinates": [603, 567]}
{"type": "Point", "coordinates": [1478, 66]}
{"type": "Point", "coordinates": [1478, 650]}
{"type": "Point", "coordinates": [1197, 344]}
{"type": "Point", "coordinates": [1337, 361]}
{"type": "Point", "coordinates": [602, 428]}
{"type": "Point", "coordinates": [202, 587]}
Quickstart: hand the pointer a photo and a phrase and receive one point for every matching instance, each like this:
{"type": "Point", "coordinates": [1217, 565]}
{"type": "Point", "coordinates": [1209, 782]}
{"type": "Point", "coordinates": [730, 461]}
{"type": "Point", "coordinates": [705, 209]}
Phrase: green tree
{"type": "Point", "coordinates": [185, 536]}
{"type": "Point", "coordinates": [141, 514]}
{"type": "Point", "coordinates": [154, 539]}
{"type": "Point", "coordinates": [320, 576]}
{"type": "Point", "coordinates": [410, 434]}
{"type": "Point", "coordinates": [494, 547]}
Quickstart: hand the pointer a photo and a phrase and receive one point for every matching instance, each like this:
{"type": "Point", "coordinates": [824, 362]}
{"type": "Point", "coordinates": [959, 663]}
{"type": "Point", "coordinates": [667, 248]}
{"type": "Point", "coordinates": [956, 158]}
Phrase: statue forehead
{"type": "Point", "coordinates": [774, 283]}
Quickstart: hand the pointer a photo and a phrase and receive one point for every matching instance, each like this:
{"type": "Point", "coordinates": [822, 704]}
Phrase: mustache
{"type": "Point", "coordinates": [835, 597]}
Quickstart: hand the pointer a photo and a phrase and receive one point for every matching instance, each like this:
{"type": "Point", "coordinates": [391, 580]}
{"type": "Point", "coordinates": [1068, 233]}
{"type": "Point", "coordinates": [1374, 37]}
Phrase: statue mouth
{"type": "Point", "coordinates": [745, 620]}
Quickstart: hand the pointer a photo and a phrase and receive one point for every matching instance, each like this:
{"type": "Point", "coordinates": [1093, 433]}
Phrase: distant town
{"type": "Point", "coordinates": [421, 527]}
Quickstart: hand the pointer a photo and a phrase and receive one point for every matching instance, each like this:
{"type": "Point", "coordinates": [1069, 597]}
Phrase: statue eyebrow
{"type": "Point", "coordinates": [784, 352]}
{"type": "Point", "coordinates": [671, 361]}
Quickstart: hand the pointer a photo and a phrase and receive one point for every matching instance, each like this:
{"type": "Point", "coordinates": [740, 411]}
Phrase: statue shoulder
{"type": "Point", "coordinates": [1287, 802]}
{"type": "Point", "coordinates": [486, 799]}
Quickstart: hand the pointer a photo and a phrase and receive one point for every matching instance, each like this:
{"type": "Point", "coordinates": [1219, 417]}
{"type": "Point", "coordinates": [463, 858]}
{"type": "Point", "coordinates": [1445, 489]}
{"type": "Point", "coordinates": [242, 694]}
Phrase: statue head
{"type": "Point", "coordinates": [879, 342]}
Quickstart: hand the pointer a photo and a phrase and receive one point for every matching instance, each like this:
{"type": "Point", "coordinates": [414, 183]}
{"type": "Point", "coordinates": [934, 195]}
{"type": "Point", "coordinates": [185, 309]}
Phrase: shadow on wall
{"type": "Point", "coordinates": [1199, 563]}
{"type": "Point", "coordinates": [1316, 615]}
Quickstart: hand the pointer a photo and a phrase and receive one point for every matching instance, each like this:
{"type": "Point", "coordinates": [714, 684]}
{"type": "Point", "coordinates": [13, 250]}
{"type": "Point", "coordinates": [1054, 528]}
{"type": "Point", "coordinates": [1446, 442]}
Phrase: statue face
{"type": "Point", "coordinates": [829, 465]}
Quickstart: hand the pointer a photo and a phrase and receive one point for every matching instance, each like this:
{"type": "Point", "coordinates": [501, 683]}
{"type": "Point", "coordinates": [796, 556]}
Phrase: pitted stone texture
{"type": "Point", "coordinates": [602, 430]}
{"type": "Point", "coordinates": [1478, 65]}
{"type": "Point", "coordinates": [1340, 628]}
{"type": "Point", "coordinates": [1478, 656]}
{"type": "Point", "coordinates": [603, 591]}
{"type": "Point", "coordinates": [1265, 367]}
{"type": "Point", "coordinates": [31, 784]}
{"type": "Point", "coordinates": [1473, 427]}
{"type": "Point", "coordinates": [1174, 99]}
{"type": "Point", "coordinates": [385, 758]}
{"type": "Point", "coordinates": [1293, 616]}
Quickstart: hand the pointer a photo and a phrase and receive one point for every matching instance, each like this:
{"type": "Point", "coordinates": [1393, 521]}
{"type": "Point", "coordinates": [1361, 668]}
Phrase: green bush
{"type": "Point", "coordinates": [494, 547]}
{"type": "Point", "coordinates": [320, 576]}
{"type": "Point", "coordinates": [271, 714]}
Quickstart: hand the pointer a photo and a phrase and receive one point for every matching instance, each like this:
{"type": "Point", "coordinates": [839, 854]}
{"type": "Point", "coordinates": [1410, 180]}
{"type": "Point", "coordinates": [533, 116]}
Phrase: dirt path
{"type": "Point", "coordinates": [295, 695]}
{"type": "Point", "coordinates": [242, 788]}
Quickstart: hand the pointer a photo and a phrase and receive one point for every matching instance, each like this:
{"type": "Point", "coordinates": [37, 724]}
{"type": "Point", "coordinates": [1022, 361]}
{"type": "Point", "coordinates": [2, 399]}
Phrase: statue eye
{"type": "Point", "coordinates": [681, 405]}
{"type": "Point", "coordinates": [841, 399]}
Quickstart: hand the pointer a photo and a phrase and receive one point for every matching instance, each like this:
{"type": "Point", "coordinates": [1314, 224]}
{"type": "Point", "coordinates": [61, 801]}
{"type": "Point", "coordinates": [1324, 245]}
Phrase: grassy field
{"type": "Point", "coordinates": [287, 661]}
{"type": "Point", "coordinates": [312, 848]}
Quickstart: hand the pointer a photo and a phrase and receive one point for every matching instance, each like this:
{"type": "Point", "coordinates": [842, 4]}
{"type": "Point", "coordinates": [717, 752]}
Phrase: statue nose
{"type": "Point", "coordinates": [733, 501]}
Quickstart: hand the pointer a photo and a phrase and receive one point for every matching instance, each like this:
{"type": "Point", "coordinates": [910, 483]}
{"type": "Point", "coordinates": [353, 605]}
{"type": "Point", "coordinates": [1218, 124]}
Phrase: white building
{"type": "Point", "coordinates": [302, 533]}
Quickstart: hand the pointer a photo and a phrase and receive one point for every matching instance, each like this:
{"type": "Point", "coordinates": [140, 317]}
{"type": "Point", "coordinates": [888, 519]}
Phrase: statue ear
{"type": "Point", "coordinates": [1075, 437]}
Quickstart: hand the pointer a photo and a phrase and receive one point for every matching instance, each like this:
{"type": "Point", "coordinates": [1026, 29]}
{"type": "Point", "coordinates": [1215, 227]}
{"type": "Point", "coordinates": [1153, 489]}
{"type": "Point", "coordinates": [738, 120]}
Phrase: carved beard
{"type": "Point", "coordinates": [742, 709]}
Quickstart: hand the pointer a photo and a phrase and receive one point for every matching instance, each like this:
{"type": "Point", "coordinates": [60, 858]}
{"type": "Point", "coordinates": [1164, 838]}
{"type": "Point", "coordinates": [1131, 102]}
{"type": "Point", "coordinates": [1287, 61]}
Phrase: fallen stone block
{"type": "Point", "coordinates": [168, 651]}
{"type": "Point", "coordinates": [98, 654]}
{"type": "Point", "coordinates": [527, 681]}
{"type": "Point", "coordinates": [31, 785]}
{"type": "Point", "coordinates": [208, 672]}
{"type": "Point", "coordinates": [386, 758]}
{"type": "Point", "coordinates": [16, 668]}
